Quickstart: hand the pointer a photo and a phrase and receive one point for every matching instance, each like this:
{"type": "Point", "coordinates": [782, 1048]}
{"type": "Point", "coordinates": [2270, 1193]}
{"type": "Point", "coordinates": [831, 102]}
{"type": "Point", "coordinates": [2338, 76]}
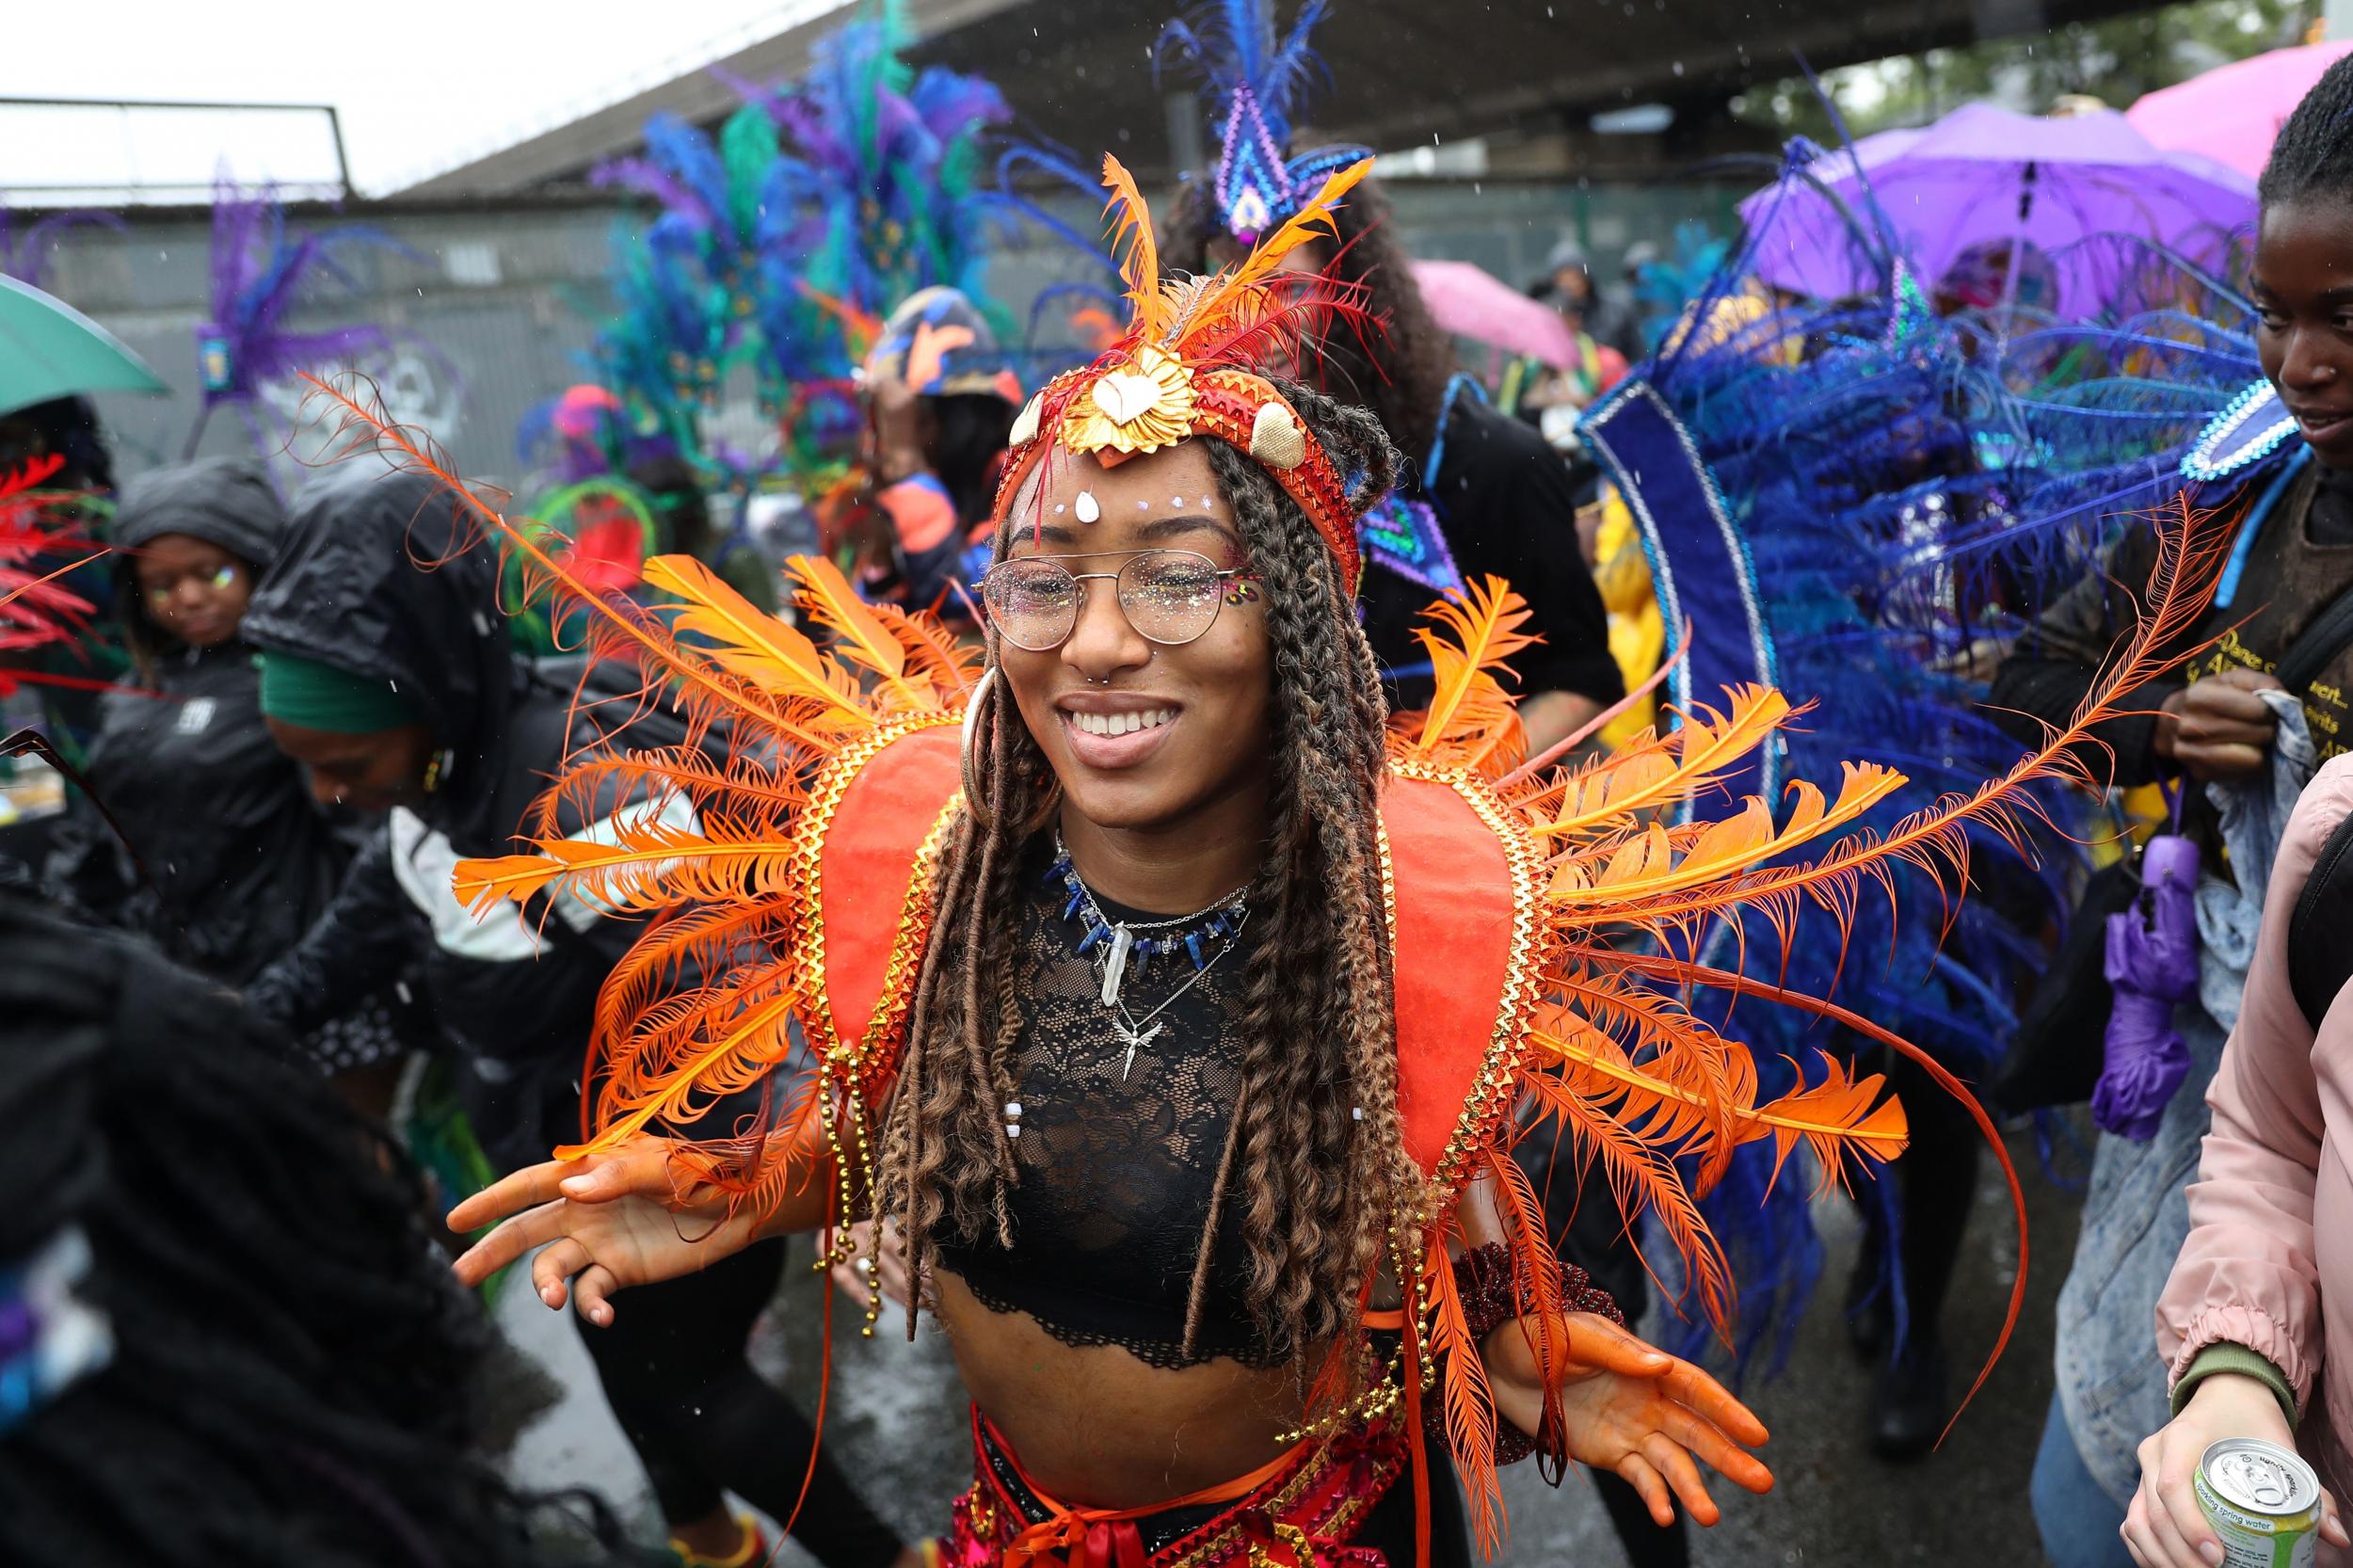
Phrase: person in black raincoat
{"type": "Point", "coordinates": [387, 672]}
{"type": "Point", "coordinates": [227, 859]}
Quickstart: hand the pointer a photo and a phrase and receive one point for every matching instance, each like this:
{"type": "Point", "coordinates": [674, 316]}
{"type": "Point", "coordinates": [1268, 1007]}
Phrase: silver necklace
{"type": "Point", "coordinates": [1134, 1033]}
{"type": "Point", "coordinates": [1120, 939]}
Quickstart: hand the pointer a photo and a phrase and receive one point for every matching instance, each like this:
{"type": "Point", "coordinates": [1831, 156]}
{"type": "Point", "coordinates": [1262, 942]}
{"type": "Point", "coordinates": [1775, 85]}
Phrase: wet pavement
{"type": "Point", "coordinates": [896, 1422]}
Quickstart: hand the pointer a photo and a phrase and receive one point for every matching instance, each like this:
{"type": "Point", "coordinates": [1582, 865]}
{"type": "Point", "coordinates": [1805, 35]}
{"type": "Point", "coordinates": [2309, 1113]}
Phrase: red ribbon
{"type": "Point", "coordinates": [1071, 1540]}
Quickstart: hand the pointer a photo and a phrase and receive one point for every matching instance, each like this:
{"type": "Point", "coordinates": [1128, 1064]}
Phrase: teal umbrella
{"type": "Point", "coordinates": [50, 349]}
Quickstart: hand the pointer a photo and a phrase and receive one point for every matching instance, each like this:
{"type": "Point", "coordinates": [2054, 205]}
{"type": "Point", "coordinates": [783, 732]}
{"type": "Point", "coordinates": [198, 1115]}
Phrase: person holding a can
{"type": "Point", "coordinates": [2257, 1317]}
{"type": "Point", "coordinates": [2256, 1322]}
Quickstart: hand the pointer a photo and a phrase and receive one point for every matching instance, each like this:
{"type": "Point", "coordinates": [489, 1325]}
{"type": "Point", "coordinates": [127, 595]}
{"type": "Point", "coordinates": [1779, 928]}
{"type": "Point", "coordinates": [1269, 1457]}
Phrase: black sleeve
{"type": "Point", "coordinates": [2055, 663]}
{"type": "Point", "coordinates": [1509, 509]}
{"type": "Point", "coordinates": [86, 869]}
{"type": "Point", "coordinates": [357, 945]}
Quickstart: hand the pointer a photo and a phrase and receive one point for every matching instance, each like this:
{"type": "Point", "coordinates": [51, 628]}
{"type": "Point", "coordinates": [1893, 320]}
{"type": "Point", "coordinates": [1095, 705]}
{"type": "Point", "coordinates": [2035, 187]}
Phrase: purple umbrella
{"type": "Point", "coordinates": [2152, 967]}
{"type": "Point", "coordinates": [1985, 177]}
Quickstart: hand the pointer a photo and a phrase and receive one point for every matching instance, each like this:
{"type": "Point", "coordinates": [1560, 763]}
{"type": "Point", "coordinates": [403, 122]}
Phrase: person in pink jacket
{"type": "Point", "coordinates": [2256, 1322]}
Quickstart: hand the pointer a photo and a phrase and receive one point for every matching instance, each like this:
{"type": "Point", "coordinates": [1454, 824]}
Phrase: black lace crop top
{"type": "Point", "coordinates": [1115, 1172]}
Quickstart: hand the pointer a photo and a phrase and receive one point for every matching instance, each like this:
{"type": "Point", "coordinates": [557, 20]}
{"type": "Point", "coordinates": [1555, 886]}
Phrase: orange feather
{"type": "Point", "coordinates": [751, 644]}
{"type": "Point", "coordinates": [1139, 252]}
{"type": "Point", "coordinates": [1473, 637]}
{"type": "Point", "coordinates": [1470, 1408]}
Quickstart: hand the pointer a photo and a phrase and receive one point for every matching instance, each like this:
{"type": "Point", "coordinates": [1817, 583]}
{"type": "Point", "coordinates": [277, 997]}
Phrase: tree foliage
{"type": "Point", "coordinates": [2115, 61]}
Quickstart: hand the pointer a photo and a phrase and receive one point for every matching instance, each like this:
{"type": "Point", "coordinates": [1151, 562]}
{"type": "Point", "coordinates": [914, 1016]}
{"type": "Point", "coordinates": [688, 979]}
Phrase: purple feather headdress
{"type": "Point", "coordinates": [260, 274]}
{"type": "Point", "coordinates": [1257, 81]}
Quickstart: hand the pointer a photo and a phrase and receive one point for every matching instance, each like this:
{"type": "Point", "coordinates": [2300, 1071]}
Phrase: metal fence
{"type": "Point", "coordinates": [495, 309]}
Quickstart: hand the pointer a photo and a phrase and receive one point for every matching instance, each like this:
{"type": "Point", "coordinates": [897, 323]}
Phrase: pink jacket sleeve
{"type": "Point", "coordinates": [2246, 1274]}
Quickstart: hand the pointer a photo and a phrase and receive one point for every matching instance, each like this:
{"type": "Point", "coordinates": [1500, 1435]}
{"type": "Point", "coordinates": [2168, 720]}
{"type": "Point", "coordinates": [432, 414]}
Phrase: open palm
{"type": "Point", "coordinates": [1636, 1412]}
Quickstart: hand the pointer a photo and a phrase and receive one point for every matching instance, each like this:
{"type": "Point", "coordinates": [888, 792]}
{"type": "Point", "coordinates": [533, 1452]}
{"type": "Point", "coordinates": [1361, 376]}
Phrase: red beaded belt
{"type": "Point", "coordinates": [1296, 1512]}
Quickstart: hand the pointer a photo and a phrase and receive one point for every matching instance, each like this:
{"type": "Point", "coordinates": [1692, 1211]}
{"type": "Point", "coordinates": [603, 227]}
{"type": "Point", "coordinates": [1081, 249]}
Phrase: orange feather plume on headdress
{"type": "Point", "coordinates": [1188, 364]}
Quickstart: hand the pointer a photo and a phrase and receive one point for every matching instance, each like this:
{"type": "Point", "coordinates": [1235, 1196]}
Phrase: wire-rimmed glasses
{"type": "Point", "coordinates": [1171, 596]}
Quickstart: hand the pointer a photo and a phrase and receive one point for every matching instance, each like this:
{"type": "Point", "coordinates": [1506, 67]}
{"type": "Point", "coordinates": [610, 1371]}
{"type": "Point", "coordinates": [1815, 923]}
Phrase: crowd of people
{"type": "Point", "coordinates": [1220, 884]}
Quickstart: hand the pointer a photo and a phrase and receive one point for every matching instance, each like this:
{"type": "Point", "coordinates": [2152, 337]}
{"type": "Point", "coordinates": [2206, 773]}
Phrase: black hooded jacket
{"type": "Point", "coordinates": [377, 578]}
{"type": "Point", "coordinates": [242, 861]}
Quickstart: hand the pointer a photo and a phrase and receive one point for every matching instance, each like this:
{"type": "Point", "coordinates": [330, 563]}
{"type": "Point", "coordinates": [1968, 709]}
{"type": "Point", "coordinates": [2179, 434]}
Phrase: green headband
{"type": "Point", "coordinates": [304, 692]}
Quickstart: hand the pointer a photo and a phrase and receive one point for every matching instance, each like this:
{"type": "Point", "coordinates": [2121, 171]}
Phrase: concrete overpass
{"type": "Point", "coordinates": [1404, 71]}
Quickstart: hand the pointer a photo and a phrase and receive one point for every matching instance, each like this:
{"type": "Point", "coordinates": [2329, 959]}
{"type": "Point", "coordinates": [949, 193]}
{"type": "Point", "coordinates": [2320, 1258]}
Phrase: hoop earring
{"type": "Point", "coordinates": [975, 801]}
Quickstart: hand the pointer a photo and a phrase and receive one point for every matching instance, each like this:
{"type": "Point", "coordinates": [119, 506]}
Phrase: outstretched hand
{"type": "Point", "coordinates": [1636, 1412]}
{"type": "Point", "coordinates": [606, 1221]}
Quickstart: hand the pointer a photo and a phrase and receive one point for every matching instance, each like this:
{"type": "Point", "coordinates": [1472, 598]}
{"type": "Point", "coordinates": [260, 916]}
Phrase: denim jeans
{"type": "Point", "coordinates": [2077, 1520]}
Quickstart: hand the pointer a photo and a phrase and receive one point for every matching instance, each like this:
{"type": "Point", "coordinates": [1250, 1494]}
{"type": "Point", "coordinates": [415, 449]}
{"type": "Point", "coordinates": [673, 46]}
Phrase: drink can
{"type": "Point", "coordinates": [2262, 1500]}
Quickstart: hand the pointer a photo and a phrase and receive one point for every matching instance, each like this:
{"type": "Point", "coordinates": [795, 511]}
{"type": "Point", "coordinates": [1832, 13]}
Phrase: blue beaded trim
{"type": "Point", "coordinates": [1189, 938]}
{"type": "Point", "coordinates": [2224, 448]}
{"type": "Point", "coordinates": [1405, 537]}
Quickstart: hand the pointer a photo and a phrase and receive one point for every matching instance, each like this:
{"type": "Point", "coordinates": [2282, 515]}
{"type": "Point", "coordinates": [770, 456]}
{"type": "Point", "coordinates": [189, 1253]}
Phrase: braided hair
{"type": "Point", "coordinates": [2313, 158]}
{"type": "Point", "coordinates": [1401, 369]}
{"type": "Point", "coordinates": [290, 1384]}
{"type": "Point", "coordinates": [1317, 1187]}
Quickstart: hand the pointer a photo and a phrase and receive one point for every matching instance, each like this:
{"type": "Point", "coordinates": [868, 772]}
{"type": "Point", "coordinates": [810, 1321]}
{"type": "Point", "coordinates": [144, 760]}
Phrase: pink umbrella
{"type": "Point", "coordinates": [1471, 302]}
{"type": "Point", "coordinates": [2232, 113]}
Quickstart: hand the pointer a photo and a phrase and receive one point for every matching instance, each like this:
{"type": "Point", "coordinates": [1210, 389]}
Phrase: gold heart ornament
{"type": "Point", "coordinates": [1141, 407]}
{"type": "Point", "coordinates": [1125, 395]}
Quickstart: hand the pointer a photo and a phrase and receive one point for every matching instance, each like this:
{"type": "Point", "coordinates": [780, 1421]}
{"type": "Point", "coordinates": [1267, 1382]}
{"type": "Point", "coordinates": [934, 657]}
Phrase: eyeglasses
{"type": "Point", "coordinates": [1170, 597]}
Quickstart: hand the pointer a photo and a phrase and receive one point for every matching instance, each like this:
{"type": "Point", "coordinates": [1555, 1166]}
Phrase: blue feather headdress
{"type": "Point", "coordinates": [880, 193]}
{"type": "Point", "coordinates": [1258, 79]}
{"type": "Point", "coordinates": [783, 243]}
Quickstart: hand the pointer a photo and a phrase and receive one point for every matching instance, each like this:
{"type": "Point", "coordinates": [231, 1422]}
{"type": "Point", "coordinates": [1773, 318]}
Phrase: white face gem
{"type": "Point", "coordinates": [1087, 508]}
{"type": "Point", "coordinates": [1175, 501]}
{"type": "Point", "coordinates": [1207, 502]}
{"type": "Point", "coordinates": [1059, 508]}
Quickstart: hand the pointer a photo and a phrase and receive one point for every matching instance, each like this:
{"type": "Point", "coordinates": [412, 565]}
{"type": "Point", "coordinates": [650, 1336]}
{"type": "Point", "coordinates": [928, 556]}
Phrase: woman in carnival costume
{"type": "Point", "coordinates": [940, 398]}
{"type": "Point", "coordinates": [1479, 493]}
{"type": "Point", "coordinates": [1218, 1204]}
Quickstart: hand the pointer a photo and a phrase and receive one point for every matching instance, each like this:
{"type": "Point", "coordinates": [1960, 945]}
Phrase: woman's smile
{"type": "Point", "coordinates": [1109, 731]}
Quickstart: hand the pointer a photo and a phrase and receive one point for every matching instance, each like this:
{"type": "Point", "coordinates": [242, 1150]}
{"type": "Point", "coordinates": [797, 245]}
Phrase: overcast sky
{"type": "Point", "coordinates": [421, 84]}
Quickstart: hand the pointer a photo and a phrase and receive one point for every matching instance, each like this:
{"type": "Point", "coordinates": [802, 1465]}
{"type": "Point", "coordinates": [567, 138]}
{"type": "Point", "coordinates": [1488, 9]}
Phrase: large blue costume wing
{"type": "Point", "coordinates": [1855, 500]}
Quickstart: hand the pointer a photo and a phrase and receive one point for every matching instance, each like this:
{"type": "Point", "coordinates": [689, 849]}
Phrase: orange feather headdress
{"type": "Point", "coordinates": [1188, 364]}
